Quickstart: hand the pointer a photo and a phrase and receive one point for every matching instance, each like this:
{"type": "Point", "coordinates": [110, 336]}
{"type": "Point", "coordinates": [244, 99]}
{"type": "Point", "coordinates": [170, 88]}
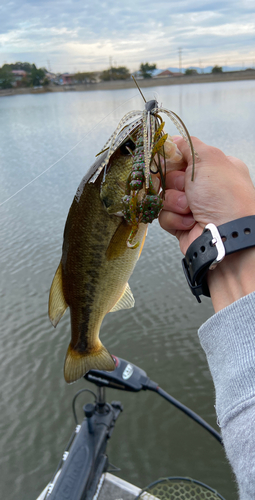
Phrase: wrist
{"type": "Point", "coordinates": [232, 279]}
{"type": "Point", "coordinates": [221, 262]}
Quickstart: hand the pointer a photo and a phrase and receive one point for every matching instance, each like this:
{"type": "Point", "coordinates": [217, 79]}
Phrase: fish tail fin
{"type": "Point", "coordinates": [77, 364]}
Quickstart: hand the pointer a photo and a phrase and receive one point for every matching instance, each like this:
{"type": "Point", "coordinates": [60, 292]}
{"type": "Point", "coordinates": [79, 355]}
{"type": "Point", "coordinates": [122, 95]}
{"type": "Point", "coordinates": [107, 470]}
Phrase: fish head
{"type": "Point", "coordinates": [116, 177]}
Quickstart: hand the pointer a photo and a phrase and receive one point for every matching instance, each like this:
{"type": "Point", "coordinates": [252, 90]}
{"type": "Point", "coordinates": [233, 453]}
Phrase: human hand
{"type": "Point", "coordinates": [222, 191]}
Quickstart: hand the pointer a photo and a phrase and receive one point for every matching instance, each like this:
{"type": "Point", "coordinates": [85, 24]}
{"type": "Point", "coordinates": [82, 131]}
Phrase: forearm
{"type": "Point", "coordinates": [228, 341]}
{"type": "Point", "coordinates": [232, 279]}
{"type": "Point", "coordinates": [222, 191]}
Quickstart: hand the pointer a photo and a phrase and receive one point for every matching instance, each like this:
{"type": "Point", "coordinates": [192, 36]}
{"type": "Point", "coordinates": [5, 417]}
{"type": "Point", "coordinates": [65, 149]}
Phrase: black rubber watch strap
{"type": "Point", "coordinates": [236, 235]}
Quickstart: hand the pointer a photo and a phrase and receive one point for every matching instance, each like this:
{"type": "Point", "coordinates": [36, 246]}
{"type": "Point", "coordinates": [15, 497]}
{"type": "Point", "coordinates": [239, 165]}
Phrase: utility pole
{"type": "Point", "coordinates": [48, 61]}
{"type": "Point", "coordinates": [110, 62]}
{"type": "Point", "coordinates": [180, 59]}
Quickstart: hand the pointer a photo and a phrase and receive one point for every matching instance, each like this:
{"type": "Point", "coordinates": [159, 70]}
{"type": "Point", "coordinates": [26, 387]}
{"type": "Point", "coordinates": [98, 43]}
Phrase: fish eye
{"type": "Point", "coordinates": [124, 148]}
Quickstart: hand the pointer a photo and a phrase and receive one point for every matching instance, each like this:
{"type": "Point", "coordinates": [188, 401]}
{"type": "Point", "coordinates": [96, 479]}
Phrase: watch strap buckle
{"type": "Point", "coordinates": [218, 243]}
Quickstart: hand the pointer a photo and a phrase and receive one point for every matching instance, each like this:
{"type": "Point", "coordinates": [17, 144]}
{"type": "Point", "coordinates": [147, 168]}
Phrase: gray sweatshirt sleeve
{"type": "Point", "coordinates": [228, 339]}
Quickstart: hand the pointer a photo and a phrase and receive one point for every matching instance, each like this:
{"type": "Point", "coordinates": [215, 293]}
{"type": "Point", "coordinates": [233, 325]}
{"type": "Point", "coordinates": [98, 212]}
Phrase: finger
{"type": "Point", "coordinates": [185, 149]}
{"type": "Point", "coordinates": [171, 151]}
{"type": "Point", "coordinates": [203, 150]}
{"type": "Point", "coordinates": [238, 163]}
{"type": "Point", "coordinates": [169, 166]}
{"type": "Point", "coordinates": [176, 201]}
{"type": "Point", "coordinates": [175, 180]}
{"type": "Point", "coordinates": [173, 165]}
{"type": "Point", "coordinates": [173, 222]}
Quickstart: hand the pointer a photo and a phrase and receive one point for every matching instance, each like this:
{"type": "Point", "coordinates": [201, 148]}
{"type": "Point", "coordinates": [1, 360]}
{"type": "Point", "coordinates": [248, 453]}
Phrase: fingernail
{"type": "Point", "coordinates": [182, 201]}
{"type": "Point", "coordinates": [176, 138]}
{"type": "Point", "coordinates": [179, 183]}
{"type": "Point", "coordinates": [188, 220]}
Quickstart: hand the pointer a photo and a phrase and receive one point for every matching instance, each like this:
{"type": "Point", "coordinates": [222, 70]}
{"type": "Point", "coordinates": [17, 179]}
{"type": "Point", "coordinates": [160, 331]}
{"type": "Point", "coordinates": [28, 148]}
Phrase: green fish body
{"type": "Point", "coordinates": [92, 277]}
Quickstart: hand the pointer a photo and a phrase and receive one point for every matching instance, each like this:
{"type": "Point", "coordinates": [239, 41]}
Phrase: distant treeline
{"type": "Point", "coordinates": [191, 71]}
{"type": "Point", "coordinates": [24, 74]}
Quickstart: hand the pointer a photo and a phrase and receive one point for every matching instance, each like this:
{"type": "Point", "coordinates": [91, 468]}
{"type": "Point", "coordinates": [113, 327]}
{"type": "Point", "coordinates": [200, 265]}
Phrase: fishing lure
{"type": "Point", "coordinates": [144, 139]}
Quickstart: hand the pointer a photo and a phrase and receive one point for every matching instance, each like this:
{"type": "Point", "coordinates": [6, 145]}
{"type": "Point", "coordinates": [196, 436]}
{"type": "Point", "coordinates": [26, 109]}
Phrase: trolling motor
{"type": "Point", "coordinates": [84, 461]}
{"type": "Point", "coordinates": [129, 377]}
{"type": "Point", "coordinates": [81, 468]}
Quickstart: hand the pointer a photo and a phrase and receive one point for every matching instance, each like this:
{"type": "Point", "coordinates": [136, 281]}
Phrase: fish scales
{"type": "Point", "coordinates": [93, 278]}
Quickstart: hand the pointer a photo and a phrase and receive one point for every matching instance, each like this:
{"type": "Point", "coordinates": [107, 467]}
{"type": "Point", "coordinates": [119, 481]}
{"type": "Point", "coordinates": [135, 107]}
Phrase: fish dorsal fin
{"type": "Point", "coordinates": [126, 300]}
{"type": "Point", "coordinates": [57, 303]}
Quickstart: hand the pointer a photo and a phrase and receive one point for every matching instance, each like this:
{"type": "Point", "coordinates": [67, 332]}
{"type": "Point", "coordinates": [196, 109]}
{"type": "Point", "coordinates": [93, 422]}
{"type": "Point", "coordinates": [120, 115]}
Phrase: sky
{"type": "Point", "coordinates": [91, 35]}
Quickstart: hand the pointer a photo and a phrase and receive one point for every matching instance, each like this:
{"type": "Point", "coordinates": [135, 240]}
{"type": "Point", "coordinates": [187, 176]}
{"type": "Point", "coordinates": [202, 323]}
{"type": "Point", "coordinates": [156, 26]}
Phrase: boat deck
{"type": "Point", "coordinates": [114, 488]}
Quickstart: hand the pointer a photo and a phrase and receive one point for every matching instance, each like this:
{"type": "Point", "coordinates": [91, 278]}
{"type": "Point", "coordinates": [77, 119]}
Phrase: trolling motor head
{"type": "Point", "coordinates": [126, 377]}
{"type": "Point", "coordinates": [129, 377]}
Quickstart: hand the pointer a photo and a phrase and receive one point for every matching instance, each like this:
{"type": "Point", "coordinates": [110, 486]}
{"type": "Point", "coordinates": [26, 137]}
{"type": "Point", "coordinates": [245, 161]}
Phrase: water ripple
{"type": "Point", "coordinates": [159, 334]}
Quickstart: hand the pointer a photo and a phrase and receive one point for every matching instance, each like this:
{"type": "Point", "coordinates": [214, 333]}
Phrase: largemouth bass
{"type": "Point", "coordinates": [104, 236]}
{"type": "Point", "coordinates": [92, 277]}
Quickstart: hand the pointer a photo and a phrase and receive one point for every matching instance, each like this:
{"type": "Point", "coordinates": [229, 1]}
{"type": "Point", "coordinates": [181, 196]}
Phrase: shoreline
{"type": "Point", "coordinates": [128, 84]}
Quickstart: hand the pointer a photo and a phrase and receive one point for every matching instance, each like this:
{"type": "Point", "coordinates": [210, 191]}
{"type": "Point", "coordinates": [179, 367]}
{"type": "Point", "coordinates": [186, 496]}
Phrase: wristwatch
{"type": "Point", "coordinates": [212, 246]}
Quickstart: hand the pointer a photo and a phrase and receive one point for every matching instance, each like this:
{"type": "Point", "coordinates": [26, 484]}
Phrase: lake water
{"type": "Point", "coordinates": [152, 439]}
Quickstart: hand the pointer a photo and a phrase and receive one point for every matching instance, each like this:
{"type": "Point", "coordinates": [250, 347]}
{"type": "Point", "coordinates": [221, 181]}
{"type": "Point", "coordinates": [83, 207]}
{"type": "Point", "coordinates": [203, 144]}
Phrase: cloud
{"type": "Point", "coordinates": [83, 34]}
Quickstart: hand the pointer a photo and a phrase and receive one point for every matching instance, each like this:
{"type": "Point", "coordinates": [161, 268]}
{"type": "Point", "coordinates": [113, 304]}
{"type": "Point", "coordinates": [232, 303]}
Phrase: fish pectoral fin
{"type": "Point", "coordinates": [57, 303]}
{"type": "Point", "coordinates": [118, 244]}
{"type": "Point", "coordinates": [77, 364]}
{"type": "Point", "coordinates": [143, 241]}
{"type": "Point", "coordinates": [126, 300]}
